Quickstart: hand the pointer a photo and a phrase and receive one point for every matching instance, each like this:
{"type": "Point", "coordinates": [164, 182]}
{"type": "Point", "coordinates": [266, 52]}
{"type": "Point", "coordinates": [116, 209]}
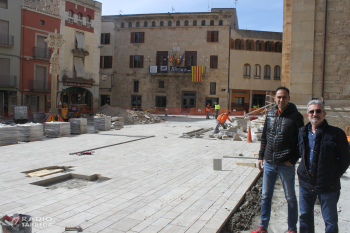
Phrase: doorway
{"type": "Point", "coordinates": [136, 101]}
{"type": "Point", "coordinates": [258, 101]}
{"type": "Point", "coordinates": [105, 99]}
{"type": "Point", "coordinates": [188, 100]}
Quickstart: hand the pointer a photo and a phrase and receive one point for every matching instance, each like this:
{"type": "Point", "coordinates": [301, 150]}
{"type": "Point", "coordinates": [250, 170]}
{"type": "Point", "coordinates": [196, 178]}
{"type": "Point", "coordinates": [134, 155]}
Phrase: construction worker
{"type": "Point", "coordinates": [207, 109]}
{"type": "Point", "coordinates": [217, 108]}
{"type": "Point", "coordinates": [221, 121]}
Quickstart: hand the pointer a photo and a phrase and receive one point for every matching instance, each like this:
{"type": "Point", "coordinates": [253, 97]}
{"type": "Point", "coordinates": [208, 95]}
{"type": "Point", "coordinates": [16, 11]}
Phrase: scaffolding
{"type": "Point", "coordinates": [269, 104]}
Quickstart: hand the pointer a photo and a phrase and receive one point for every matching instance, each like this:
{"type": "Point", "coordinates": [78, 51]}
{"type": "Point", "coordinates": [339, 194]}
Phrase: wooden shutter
{"type": "Point", "coordinates": [142, 37]}
{"type": "Point", "coordinates": [141, 61]}
{"type": "Point", "coordinates": [186, 58]}
{"type": "Point", "coordinates": [252, 45]}
{"type": "Point", "coordinates": [102, 38]}
{"type": "Point", "coordinates": [208, 36]}
{"type": "Point", "coordinates": [132, 39]}
{"type": "Point", "coordinates": [110, 62]}
{"type": "Point", "coordinates": [262, 45]}
{"type": "Point", "coordinates": [216, 36]}
{"type": "Point", "coordinates": [101, 62]}
{"type": "Point", "coordinates": [273, 46]}
{"type": "Point", "coordinates": [131, 64]}
{"type": "Point", "coordinates": [232, 43]}
{"type": "Point", "coordinates": [242, 44]}
{"type": "Point", "coordinates": [195, 58]}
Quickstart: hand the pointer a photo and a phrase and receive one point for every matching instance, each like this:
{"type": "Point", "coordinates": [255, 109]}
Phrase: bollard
{"type": "Point", "coordinates": [217, 164]}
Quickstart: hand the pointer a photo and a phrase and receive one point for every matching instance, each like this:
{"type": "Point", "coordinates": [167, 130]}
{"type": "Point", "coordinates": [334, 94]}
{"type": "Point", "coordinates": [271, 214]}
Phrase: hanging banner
{"type": "Point", "coordinates": [153, 69]}
{"type": "Point", "coordinates": [77, 84]}
{"type": "Point", "coordinates": [186, 69]}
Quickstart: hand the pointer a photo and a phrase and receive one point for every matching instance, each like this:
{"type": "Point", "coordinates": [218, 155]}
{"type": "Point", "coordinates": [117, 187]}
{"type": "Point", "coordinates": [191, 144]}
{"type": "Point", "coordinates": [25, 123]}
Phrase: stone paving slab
{"type": "Point", "coordinates": [159, 184]}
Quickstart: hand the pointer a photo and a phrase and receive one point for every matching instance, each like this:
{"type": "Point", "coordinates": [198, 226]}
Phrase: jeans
{"type": "Point", "coordinates": [216, 113]}
{"type": "Point", "coordinates": [328, 201]}
{"type": "Point", "coordinates": [287, 174]}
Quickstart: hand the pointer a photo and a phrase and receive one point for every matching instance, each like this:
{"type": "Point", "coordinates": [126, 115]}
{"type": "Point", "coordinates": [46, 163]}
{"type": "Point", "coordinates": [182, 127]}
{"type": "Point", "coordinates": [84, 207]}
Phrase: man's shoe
{"type": "Point", "coordinates": [260, 230]}
{"type": "Point", "coordinates": [292, 231]}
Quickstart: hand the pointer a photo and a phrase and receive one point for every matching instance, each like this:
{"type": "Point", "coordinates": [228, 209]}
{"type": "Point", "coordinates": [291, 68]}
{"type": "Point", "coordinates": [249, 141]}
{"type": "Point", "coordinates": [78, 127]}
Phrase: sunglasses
{"type": "Point", "coordinates": [317, 111]}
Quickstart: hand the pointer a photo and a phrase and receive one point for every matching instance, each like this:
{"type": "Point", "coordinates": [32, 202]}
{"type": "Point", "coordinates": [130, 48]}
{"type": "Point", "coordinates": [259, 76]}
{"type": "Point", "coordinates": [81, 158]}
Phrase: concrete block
{"type": "Point", "coordinates": [217, 164]}
{"type": "Point", "coordinates": [236, 138]}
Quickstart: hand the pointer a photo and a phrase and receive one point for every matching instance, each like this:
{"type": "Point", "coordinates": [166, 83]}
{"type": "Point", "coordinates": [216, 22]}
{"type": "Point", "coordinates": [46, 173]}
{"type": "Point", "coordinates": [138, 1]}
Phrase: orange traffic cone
{"type": "Point", "coordinates": [249, 138]}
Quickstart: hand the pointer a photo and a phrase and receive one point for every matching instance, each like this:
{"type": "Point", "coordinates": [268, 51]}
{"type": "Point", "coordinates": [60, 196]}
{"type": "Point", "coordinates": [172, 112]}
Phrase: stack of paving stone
{"type": "Point", "coordinates": [30, 132]}
{"type": "Point", "coordinates": [118, 122]}
{"type": "Point", "coordinates": [102, 122]}
{"type": "Point", "coordinates": [8, 135]}
{"type": "Point", "coordinates": [78, 125]}
{"type": "Point", "coordinates": [57, 129]}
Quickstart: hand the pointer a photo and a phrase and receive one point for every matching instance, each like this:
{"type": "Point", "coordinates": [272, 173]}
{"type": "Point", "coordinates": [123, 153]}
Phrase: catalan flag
{"type": "Point", "coordinates": [197, 72]}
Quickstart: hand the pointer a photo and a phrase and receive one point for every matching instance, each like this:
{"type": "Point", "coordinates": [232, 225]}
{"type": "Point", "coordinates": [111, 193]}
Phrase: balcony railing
{"type": "Point", "coordinates": [88, 25]}
{"type": "Point", "coordinates": [80, 51]}
{"type": "Point", "coordinates": [74, 78]}
{"type": "Point", "coordinates": [8, 81]}
{"type": "Point", "coordinates": [171, 70]}
{"type": "Point", "coordinates": [6, 40]}
{"type": "Point", "coordinates": [40, 85]}
{"type": "Point", "coordinates": [42, 53]}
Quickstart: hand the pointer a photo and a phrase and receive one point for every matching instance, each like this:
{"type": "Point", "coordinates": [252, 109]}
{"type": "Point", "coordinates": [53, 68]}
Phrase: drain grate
{"type": "Point", "coordinates": [71, 181]}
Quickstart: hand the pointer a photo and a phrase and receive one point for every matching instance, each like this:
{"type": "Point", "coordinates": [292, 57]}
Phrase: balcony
{"type": "Point", "coordinates": [42, 53]}
{"type": "Point", "coordinates": [173, 70]}
{"type": "Point", "coordinates": [40, 85]}
{"type": "Point", "coordinates": [9, 81]}
{"type": "Point", "coordinates": [71, 79]}
{"type": "Point", "coordinates": [88, 25]}
{"type": "Point", "coordinates": [81, 52]}
{"type": "Point", "coordinates": [6, 40]}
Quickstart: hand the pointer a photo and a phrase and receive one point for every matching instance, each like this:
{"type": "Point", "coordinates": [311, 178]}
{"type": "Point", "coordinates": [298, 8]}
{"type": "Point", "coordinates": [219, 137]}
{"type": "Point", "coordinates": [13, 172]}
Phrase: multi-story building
{"type": "Point", "coordinates": [10, 45]}
{"type": "Point", "coordinates": [136, 59]}
{"type": "Point", "coordinates": [256, 59]}
{"type": "Point", "coordinates": [80, 55]}
{"type": "Point", "coordinates": [39, 18]}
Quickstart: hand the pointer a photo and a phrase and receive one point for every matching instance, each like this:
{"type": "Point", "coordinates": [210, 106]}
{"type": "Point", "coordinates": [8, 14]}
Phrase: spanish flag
{"type": "Point", "coordinates": [197, 72]}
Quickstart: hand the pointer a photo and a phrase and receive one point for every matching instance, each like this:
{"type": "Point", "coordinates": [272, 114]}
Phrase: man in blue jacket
{"type": "Point", "coordinates": [324, 159]}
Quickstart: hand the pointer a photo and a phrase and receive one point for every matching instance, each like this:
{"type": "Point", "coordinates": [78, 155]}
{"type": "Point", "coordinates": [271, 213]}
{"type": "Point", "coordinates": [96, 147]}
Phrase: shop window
{"type": "Point", "coordinates": [239, 101]}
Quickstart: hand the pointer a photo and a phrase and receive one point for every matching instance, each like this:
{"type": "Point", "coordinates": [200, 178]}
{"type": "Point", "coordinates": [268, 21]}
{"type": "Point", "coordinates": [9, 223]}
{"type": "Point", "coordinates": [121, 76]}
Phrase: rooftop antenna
{"type": "Point", "coordinates": [172, 9]}
{"type": "Point", "coordinates": [208, 6]}
{"type": "Point", "coordinates": [121, 12]}
{"type": "Point", "coordinates": [236, 3]}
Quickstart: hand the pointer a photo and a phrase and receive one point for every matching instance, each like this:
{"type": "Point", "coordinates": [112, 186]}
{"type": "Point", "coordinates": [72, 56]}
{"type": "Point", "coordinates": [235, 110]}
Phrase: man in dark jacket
{"type": "Point", "coordinates": [324, 159]}
{"type": "Point", "coordinates": [280, 151]}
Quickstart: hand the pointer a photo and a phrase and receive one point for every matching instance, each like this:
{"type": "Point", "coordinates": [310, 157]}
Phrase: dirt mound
{"type": "Point", "coordinates": [130, 117]}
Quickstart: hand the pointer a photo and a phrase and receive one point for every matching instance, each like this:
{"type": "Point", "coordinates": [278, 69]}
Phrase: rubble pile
{"type": "Point", "coordinates": [130, 117]}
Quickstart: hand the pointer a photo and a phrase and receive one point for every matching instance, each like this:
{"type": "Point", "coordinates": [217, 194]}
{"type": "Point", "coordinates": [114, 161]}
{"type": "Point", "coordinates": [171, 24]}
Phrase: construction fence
{"type": "Point", "coordinates": [189, 111]}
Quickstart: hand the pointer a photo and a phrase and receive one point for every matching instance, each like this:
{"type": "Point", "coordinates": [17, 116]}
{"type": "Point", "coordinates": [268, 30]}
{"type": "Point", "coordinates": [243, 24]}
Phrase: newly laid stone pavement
{"type": "Point", "coordinates": [159, 184]}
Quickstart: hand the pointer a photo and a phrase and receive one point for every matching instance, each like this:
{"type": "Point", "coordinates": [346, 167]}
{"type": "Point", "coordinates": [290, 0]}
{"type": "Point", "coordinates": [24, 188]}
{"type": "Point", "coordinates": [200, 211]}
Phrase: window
{"type": "Point", "coordinates": [239, 101]}
{"type": "Point", "coordinates": [145, 24]}
{"type": "Point", "coordinates": [190, 58]}
{"type": "Point", "coordinates": [106, 62]}
{"type": "Point", "coordinates": [170, 23]}
{"type": "Point", "coordinates": [212, 36]}
{"type": "Point", "coordinates": [258, 45]}
{"type": "Point", "coordinates": [88, 21]}
{"type": "Point", "coordinates": [42, 22]}
{"type": "Point", "coordinates": [79, 40]}
{"type": "Point", "coordinates": [160, 101]}
{"type": "Point", "coordinates": [186, 22]}
{"type": "Point", "coordinates": [161, 23]}
{"type": "Point", "coordinates": [136, 86]}
{"type": "Point", "coordinates": [40, 79]}
{"type": "Point", "coordinates": [194, 22]}
{"type": "Point", "coordinates": [105, 38]}
{"type": "Point", "coordinates": [3, 4]}
{"type": "Point", "coordinates": [41, 50]}
{"type": "Point", "coordinates": [5, 39]}
{"type": "Point", "coordinates": [137, 24]}
{"type": "Point", "coordinates": [136, 61]}
{"type": "Point", "coordinates": [79, 69]}
{"type": "Point", "coordinates": [257, 71]}
{"type": "Point", "coordinates": [221, 22]}
{"type": "Point", "coordinates": [213, 62]}
{"type": "Point", "coordinates": [122, 25]}
{"type": "Point", "coordinates": [70, 16]}
{"type": "Point", "coordinates": [203, 22]}
{"type": "Point", "coordinates": [246, 71]}
{"type": "Point", "coordinates": [277, 73]}
{"type": "Point", "coordinates": [211, 22]}
{"type": "Point", "coordinates": [130, 25]}
{"type": "Point", "coordinates": [153, 23]}
{"type": "Point", "coordinates": [80, 19]}
{"type": "Point", "coordinates": [4, 69]}
{"type": "Point", "coordinates": [248, 45]}
{"type": "Point", "coordinates": [267, 72]}
{"type": "Point", "coordinates": [213, 88]}
{"type": "Point", "coordinates": [268, 46]}
{"type": "Point", "coordinates": [162, 61]}
{"type": "Point", "coordinates": [161, 84]}
{"type": "Point", "coordinates": [238, 44]}
{"type": "Point", "coordinates": [137, 37]}
{"type": "Point", "coordinates": [178, 23]}
{"type": "Point", "coordinates": [278, 47]}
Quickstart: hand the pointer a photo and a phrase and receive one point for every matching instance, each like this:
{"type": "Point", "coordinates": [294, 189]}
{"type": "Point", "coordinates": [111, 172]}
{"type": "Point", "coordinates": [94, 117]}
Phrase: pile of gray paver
{"type": "Point", "coordinates": [118, 122]}
{"type": "Point", "coordinates": [57, 129]}
{"type": "Point", "coordinates": [102, 122]}
{"type": "Point", "coordinates": [78, 125]}
{"type": "Point", "coordinates": [30, 132]}
{"type": "Point", "coordinates": [8, 135]}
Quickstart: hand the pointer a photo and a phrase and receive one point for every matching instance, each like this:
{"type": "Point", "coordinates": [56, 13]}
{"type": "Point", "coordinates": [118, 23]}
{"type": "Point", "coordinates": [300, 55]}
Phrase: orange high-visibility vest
{"type": "Point", "coordinates": [208, 108]}
{"type": "Point", "coordinates": [222, 118]}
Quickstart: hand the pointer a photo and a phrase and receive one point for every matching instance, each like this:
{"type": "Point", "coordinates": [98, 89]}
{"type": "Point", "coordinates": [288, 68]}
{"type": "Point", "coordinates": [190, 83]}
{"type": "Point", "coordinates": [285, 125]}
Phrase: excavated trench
{"type": "Point", "coordinates": [241, 220]}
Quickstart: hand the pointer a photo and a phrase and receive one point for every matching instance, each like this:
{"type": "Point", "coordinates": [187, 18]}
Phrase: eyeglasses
{"type": "Point", "coordinates": [317, 111]}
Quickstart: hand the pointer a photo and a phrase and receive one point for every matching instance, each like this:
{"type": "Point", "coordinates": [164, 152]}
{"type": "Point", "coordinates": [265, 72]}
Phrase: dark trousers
{"type": "Point", "coordinates": [216, 113]}
{"type": "Point", "coordinates": [207, 114]}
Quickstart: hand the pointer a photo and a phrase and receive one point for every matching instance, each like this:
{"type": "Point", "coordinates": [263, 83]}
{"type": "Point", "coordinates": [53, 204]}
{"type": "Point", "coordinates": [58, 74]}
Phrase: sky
{"type": "Point", "coordinates": [260, 15]}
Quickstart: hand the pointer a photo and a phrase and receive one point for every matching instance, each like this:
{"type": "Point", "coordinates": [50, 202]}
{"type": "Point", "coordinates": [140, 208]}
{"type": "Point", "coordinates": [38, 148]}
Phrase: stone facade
{"type": "Point", "coordinates": [307, 51]}
{"type": "Point", "coordinates": [46, 6]}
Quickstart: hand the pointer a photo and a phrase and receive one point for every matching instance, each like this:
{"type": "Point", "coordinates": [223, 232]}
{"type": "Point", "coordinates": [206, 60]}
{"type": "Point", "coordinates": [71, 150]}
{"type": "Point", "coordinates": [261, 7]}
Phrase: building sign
{"type": "Point", "coordinates": [77, 84]}
{"type": "Point", "coordinates": [153, 69]}
{"type": "Point", "coordinates": [163, 68]}
{"type": "Point", "coordinates": [180, 69]}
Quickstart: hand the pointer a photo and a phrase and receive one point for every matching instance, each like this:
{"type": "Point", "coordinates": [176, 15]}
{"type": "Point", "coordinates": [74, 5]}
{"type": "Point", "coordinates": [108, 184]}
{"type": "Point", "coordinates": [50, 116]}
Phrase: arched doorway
{"type": "Point", "coordinates": [79, 95]}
